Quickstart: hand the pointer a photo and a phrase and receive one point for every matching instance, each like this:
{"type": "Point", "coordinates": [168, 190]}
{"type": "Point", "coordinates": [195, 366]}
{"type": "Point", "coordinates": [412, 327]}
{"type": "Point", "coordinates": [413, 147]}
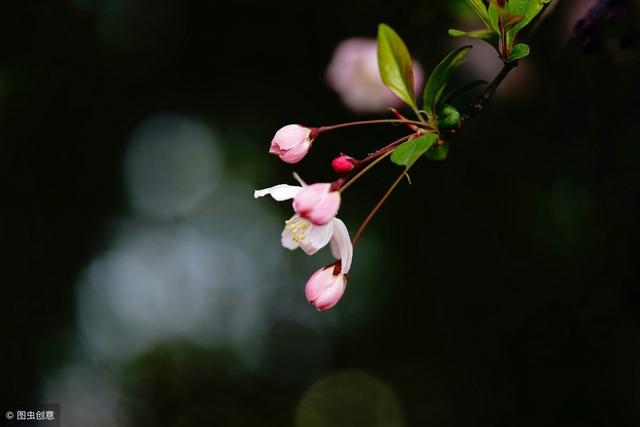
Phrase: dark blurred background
{"type": "Point", "coordinates": [142, 284]}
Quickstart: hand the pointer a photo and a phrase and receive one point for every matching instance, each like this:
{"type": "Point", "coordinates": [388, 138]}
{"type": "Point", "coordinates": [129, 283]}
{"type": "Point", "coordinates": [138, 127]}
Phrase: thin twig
{"type": "Point", "coordinates": [379, 205]}
{"type": "Point", "coordinates": [365, 170]}
{"type": "Point", "coordinates": [483, 100]}
{"type": "Point", "coordinates": [374, 158]}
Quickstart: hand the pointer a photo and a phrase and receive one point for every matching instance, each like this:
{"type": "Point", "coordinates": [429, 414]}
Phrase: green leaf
{"type": "Point", "coordinates": [480, 9]}
{"type": "Point", "coordinates": [510, 19]}
{"type": "Point", "coordinates": [529, 9]}
{"type": "Point", "coordinates": [438, 153]}
{"type": "Point", "coordinates": [519, 51]}
{"type": "Point", "coordinates": [454, 93]}
{"type": "Point", "coordinates": [395, 65]}
{"type": "Point", "coordinates": [489, 36]}
{"type": "Point", "coordinates": [410, 151]}
{"type": "Point", "coordinates": [448, 116]}
{"type": "Point", "coordinates": [494, 16]}
{"type": "Point", "coordinates": [440, 77]}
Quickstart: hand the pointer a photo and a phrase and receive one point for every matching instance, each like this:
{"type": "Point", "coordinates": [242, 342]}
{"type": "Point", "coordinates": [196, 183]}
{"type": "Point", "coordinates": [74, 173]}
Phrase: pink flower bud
{"type": "Point", "coordinates": [324, 289]}
{"type": "Point", "coordinates": [317, 202]}
{"type": "Point", "coordinates": [291, 143]}
{"type": "Point", "coordinates": [343, 164]}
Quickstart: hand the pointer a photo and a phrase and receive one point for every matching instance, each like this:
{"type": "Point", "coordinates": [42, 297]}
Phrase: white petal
{"type": "Point", "coordinates": [279, 192]}
{"type": "Point", "coordinates": [341, 246]}
{"type": "Point", "coordinates": [316, 238]}
{"type": "Point", "coordinates": [287, 240]}
{"type": "Point", "coordinates": [335, 250]}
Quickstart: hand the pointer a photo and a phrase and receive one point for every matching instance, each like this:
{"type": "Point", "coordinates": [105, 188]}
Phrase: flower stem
{"type": "Point", "coordinates": [379, 205]}
{"type": "Point", "coordinates": [422, 120]}
{"type": "Point", "coordinates": [504, 47]}
{"type": "Point", "coordinates": [365, 170]}
{"type": "Point", "coordinates": [377, 156]}
{"type": "Point", "coordinates": [386, 148]}
{"type": "Point", "coordinates": [369, 122]}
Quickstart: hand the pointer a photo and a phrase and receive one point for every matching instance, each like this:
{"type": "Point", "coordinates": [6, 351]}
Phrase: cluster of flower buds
{"type": "Point", "coordinates": [314, 224]}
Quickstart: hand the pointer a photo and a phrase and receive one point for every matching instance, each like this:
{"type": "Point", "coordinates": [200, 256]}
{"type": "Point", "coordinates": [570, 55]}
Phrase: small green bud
{"type": "Point", "coordinates": [438, 152]}
{"type": "Point", "coordinates": [448, 116]}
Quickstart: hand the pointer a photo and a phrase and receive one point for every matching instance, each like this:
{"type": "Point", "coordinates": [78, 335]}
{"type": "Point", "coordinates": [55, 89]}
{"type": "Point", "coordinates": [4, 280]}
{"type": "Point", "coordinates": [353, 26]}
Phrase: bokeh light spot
{"type": "Point", "coordinates": [350, 399]}
{"type": "Point", "coordinates": [171, 166]}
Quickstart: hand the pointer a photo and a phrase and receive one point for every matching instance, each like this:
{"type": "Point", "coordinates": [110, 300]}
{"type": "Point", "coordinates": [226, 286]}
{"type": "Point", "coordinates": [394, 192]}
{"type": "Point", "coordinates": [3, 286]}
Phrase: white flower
{"type": "Point", "coordinates": [301, 233]}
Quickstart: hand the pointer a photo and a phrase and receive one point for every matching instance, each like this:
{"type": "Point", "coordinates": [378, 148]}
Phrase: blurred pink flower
{"type": "Point", "coordinates": [353, 73]}
{"type": "Point", "coordinates": [291, 143]}
{"type": "Point", "coordinates": [483, 63]}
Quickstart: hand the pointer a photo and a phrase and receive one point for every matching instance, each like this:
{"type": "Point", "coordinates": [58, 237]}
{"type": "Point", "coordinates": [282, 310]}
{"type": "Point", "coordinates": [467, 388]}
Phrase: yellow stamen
{"type": "Point", "coordinates": [298, 228]}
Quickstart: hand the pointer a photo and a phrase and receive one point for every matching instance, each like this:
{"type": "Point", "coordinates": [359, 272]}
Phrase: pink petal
{"type": "Point", "coordinates": [332, 294]}
{"type": "Point", "coordinates": [318, 283]}
{"type": "Point", "coordinates": [290, 136]}
{"type": "Point", "coordinates": [325, 209]}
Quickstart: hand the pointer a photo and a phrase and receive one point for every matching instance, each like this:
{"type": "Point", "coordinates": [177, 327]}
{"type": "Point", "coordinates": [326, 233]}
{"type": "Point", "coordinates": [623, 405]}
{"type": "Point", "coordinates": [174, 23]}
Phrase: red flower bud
{"type": "Point", "coordinates": [343, 164]}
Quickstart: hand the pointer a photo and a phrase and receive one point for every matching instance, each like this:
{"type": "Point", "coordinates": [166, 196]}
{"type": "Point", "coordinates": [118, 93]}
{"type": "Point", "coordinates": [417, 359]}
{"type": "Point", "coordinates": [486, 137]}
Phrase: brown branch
{"type": "Point", "coordinates": [482, 101]}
